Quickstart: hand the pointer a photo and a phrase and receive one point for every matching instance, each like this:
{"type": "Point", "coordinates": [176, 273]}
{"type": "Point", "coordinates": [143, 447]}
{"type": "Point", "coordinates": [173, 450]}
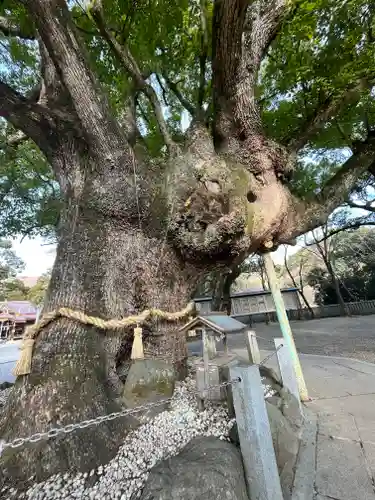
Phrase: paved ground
{"type": "Point", "coordinates": [349, 337]}
{"type": "Point", "coordinates": [344, 392]}
{"type": "Point", "coordinates": [9, 353]}
{"type": "Point", "coordinates": [343, 397]}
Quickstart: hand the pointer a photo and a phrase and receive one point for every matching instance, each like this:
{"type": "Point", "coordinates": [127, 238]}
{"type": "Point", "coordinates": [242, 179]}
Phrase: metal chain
{"type": "Point", "coordinates": [270, 355]}
{"type": "Point", "coordinates": [264, 338]}
{"type": "Point", "coordinates": [54, 432]}
{"type": "Point", "coordinates": [223, 384]}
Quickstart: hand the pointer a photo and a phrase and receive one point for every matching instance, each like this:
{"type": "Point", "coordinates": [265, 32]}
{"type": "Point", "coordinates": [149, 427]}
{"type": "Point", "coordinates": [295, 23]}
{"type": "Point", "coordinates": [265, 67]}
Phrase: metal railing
{"type": "Point", "coordinates": [84, 424]}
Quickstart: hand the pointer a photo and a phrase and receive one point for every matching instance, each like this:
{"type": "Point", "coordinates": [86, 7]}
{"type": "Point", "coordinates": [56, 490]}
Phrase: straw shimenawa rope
{"type": "Point", "coordinates": [23, 366]}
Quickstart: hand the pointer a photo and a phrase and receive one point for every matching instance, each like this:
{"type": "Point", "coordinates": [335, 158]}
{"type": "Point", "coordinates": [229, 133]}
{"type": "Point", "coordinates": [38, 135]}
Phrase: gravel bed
{"type": "Point", "coordinates": [157, 439]}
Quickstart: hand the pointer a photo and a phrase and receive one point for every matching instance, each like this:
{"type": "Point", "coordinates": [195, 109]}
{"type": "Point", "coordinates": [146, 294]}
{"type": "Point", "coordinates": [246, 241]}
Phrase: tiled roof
{"type": "Point", "coordinates": [20, 310]}
{"type": "Point", "coordinates": [220, 323]}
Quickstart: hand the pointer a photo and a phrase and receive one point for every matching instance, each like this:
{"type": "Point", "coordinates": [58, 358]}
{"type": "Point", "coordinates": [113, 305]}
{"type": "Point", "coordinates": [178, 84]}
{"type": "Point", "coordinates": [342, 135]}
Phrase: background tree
{"type": "Point", "coordinates": [36, 294]}
{"type": "Point", "coordinates": [147, 208]}
{"type": "Point", "coordinates": [257, 268]}
{"type": "Point", "coordinates": [323, 245]}
{"type": "Point", "coordinates": [353, 259]}
{"type": "Point", "coordinates": [14, 289]}
{"type": "Point", "coordinates": [298, 272]}
{"type": "Point", "coordinates": [307, 266]}
{"type": "Point", "coordinates": [10, 266]}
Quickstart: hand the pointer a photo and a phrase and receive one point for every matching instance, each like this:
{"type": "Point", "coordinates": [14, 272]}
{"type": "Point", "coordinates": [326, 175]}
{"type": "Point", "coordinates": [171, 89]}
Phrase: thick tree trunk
{"type": "Point", "coordinates": [221, 299]}
{"type": "Point", "coordinates": [105, 268]}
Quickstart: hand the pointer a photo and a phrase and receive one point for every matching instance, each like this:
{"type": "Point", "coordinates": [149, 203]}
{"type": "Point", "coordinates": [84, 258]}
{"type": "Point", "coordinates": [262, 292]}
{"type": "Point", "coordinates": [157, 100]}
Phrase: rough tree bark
{"type": "Point", "coordinates": [135, 235]}
{"type": "Point", "coordinates": [223, 281]}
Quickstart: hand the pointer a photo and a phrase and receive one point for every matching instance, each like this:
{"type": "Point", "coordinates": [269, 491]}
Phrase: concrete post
{"type": "Point", "coordinates": [284, 324]}
{"type": "Point", "coordinates": [205, 357]}
{"type": "Point", "coordinates": [254, 433]}
{"type": "Point", "coordinates": [288, 374]}
{"type": "Point", "coordinates": [209, 344]}
{"type": "Point", "coordinates": [252, 347]}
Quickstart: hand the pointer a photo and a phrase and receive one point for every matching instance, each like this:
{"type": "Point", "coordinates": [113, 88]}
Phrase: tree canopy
{"type": "Point", "coordinates": [352, 257]}
{"type": "Point", "coordinates": [36, 293]}
{"type": "Point", "coordinates": [10, 266]}
{"type": "Point", "coordinates": [319, 105]}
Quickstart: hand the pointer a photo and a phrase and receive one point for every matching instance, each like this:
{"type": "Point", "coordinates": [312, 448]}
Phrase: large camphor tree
{"type": "Point", "coordinates": [145, 210]}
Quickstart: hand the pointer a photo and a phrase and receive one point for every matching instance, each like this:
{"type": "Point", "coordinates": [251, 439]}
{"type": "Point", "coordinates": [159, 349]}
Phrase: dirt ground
{"type": "Point", "coordinates": [348, 337]}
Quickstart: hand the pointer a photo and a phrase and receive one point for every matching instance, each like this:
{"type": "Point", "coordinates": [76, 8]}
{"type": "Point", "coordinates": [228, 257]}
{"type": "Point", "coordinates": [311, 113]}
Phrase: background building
{"type": "Point", "coordinates": [15, 315]}
{"type": "Point", "coordinates": [254, 305]}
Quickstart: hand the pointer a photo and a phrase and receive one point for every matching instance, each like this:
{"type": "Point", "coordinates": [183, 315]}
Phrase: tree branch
{"type": "Point", "coordinates": [29, 117]}
{"type": "Point", "coordinates": [203, 54]}
{"type": "Point", "coordinates": [304, 216]}
{"type": "Point", "coordinates": [9, 28]}
{"type": "Point", "coordinates": [367, 206]}
{"type": "Point", "coordinates": [343, 134]}
{"type": "Point", "coordinates": [60, 38]}
{"type": "Point", "coordinates": [15, 139]}
{"type": "Point", "coordinates": [287, 267]}
{"type": "Point", "coordinates": [185, 103]}
{"type": "Point", "coordinates": [230, 82]}
{"type": "Point", "coordinates": [242, 35]}
{"type": "Point", "coordinates": [351, 226]}
{"type": "Point", "coordinates": [128, 118]}
{"type": "Point", "coordinates": [163, 89]}
{"type": "Point", "coordinates": [338, 187]}
{"type": "Point", "coordinates": [124, 56]}
{"type": "Point", "coordinates": [326, 110]}
{"type": "Point", "coordinates": [263, 22]}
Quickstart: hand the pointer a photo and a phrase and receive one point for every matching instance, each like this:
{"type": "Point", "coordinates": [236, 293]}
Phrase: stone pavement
{"type": "Point", "coordinates": [343, 397]}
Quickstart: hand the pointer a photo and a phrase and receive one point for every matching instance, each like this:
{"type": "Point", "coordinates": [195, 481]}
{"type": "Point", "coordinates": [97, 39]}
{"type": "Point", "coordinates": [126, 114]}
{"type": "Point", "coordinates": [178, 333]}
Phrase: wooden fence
{"type": "Point", "coordinates": [363, 308]}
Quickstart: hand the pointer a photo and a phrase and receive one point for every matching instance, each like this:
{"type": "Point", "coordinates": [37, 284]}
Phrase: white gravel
{"type": "Point", "coordinates": [162, 437]}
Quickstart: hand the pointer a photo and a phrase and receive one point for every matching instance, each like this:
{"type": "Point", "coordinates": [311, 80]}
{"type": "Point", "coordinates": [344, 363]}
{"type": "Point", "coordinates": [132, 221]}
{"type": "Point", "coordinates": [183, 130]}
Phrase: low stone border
{"type": "Point", "coordinates": [304, 478]}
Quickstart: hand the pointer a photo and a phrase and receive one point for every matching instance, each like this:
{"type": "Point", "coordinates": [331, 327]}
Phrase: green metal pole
{"type": "Point", "coordinates": [284, 324]}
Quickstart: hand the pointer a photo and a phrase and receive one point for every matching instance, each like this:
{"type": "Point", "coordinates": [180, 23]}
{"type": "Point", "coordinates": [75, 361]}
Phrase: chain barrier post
{"type": "Point", "coordinates": [252, 347]}
{"type": "Point", "coordinates": [262, 476]}
{"type": "Point", "coordinates": [57, 431]}
{"type": "Point", "coordinates": [285, 325]}
{"type": "Point", "coordinates": [264, 360]}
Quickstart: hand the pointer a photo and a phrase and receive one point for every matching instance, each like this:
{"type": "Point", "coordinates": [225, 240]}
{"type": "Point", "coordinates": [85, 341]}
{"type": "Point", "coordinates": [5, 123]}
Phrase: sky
{"type": "Point", "coordinates": [37, 256]}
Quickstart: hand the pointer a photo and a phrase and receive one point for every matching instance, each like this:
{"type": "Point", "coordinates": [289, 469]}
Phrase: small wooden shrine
{"type": "Point", "coordinates": [213, 368]}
